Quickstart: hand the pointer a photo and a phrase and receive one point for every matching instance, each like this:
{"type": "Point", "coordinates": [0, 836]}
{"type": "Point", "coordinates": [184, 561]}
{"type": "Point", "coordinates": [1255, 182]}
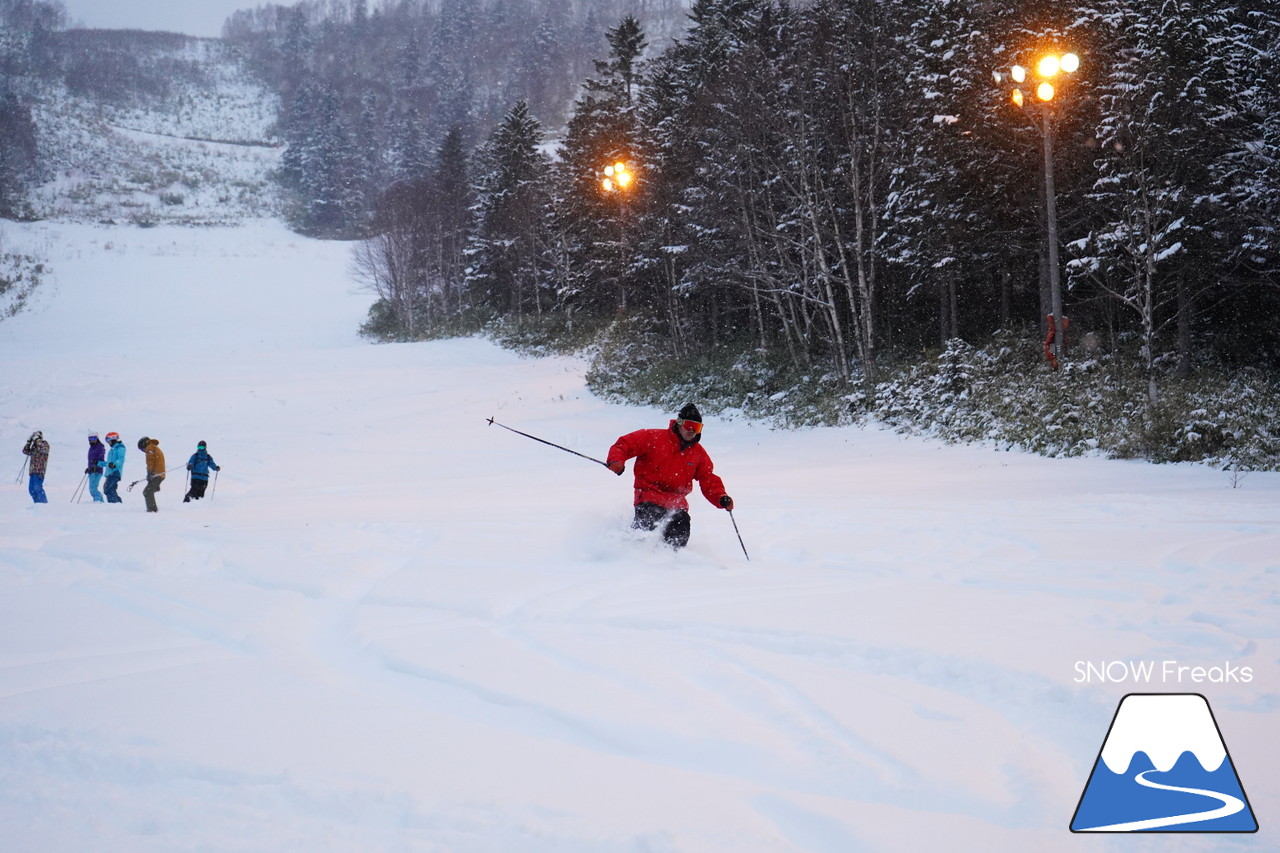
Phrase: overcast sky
{"type": "Point", "coordinates": [193, 17]}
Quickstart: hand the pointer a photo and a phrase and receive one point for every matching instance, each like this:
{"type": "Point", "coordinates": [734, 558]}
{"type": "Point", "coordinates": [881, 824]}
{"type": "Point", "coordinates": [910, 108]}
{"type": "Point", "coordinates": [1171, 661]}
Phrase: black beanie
{"type": "Point", "coordinates": [142, 443]}
{"type": "Point", "coordinates": [690, 413]}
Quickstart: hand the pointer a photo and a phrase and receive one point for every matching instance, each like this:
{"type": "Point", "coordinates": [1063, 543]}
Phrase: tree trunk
{"type": "Point", "coordinates": [1006, 298]}
{"type": "Point", "coordinates": [1186, 316]}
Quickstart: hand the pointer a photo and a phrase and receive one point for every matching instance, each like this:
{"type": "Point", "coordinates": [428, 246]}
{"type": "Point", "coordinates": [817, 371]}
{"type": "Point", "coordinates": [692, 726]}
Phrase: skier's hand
{"type": "Point", "coordinates": [617, 466]}
{"type": "Point", "coordinates": [88, 470]}
{"type": "Point", "coordinates": [726, 502]}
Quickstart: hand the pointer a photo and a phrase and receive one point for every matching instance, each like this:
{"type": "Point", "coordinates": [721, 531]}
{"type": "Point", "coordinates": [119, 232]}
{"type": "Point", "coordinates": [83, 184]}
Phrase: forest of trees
{"type": "Point", "coordinates": [842, 181]}
{"type": "Point", "coordinates": [370, 91]}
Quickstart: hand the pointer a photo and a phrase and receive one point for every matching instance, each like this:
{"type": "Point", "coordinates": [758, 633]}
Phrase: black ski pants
{"type": "Point", "coordinates": [196, 492]}
{"type": "Point", "coordinates": [675, 523]}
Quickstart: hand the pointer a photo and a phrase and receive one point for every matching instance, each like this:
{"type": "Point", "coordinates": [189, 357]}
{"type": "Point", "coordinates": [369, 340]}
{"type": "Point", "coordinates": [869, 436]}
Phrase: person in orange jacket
{"type": "Point", "coordinates": [155, 470]}
{"type": "Point", "coordinates": [667, 462]}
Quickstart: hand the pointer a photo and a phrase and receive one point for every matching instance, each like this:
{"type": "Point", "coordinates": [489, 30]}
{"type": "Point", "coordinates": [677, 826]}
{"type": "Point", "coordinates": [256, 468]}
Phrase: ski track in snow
{"type": "Point", "coordinates": [394, 627]}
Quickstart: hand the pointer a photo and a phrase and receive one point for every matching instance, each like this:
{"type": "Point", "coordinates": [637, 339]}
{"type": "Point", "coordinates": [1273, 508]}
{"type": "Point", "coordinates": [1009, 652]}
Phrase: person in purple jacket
{"type": "Point", "coordinates": [97, 462]}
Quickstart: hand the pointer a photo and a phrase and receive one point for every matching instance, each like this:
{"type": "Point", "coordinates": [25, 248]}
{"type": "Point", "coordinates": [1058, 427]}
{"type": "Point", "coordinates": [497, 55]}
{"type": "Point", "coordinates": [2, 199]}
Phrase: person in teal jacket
{"type": "Point", "coordinates": [199, 465]}
{"type": "Point", "coordinates": [114, 468]}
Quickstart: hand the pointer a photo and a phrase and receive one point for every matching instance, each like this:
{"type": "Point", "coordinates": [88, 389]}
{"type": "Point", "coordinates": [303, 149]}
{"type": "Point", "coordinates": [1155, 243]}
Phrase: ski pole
{"type": "Point", "coordinates": [75, 497]}
{"type": "Point", "coordinates": [492, 422]}
{"type": "Point", "coordinates": [148, 477]}
{"type": "Point", "coordinates": [23, 469]}
{"type": "Point", "coordinates": [735, 530]}
{"type": "Point", "coordinates": [214, 490]}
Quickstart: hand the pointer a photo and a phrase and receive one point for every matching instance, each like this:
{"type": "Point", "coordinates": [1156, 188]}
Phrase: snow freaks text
{"type": "Point", "coordinates": [1161, 672]}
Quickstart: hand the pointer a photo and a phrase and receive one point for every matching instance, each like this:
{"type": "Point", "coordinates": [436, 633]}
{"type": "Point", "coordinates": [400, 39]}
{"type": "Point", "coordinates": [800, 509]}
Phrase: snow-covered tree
{"type": "Point", "coordinates": [601, 133]}
{"type": "Point", "coordinates": [506, 269]}
{"type": "Point", "coordinates": [1169, 109]}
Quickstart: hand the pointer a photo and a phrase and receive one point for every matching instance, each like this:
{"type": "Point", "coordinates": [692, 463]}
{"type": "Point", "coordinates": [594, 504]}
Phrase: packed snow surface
{"type": "Point", "coordinates": [393, 627]}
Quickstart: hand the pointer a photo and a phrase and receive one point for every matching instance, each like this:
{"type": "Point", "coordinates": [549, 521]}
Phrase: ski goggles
{"type": "Point", "coordinates": [693, 426]}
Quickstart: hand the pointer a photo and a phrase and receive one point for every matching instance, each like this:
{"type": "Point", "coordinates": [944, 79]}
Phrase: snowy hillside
{"type": "Point", "coordinates": [184, 134]}
{"type": "Point", "coordinates": [391, 627]}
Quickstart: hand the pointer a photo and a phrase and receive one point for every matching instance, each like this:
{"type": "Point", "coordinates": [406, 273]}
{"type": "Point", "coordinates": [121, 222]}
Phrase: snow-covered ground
{"type": "Point", "coordinates": [201, 153]}
{"type": "Point", "coordinates": [392, 627]}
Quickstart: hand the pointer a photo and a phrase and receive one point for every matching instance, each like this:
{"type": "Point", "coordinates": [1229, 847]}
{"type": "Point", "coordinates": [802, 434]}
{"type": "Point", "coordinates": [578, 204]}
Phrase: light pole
{"type": "Point", "coordinates": [1047, 69]}
{"type": "Point", "coordinates": [618, 180]}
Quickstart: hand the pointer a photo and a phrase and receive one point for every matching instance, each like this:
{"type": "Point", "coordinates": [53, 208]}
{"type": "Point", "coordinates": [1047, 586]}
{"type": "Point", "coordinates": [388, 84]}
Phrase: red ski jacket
{"type": "Point", "coordinates": [666, 467]}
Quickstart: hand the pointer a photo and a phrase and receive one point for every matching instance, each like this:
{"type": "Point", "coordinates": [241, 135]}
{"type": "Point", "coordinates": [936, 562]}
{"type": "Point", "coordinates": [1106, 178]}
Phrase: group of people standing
{"type": "Point", "coordinates": [105, 468]}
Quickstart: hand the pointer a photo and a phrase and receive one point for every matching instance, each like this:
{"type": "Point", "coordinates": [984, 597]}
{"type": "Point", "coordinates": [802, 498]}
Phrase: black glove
{"type": "Point", "coordinates": [726, 502]}
{"type": "Point", "coordinates": [88, 470]}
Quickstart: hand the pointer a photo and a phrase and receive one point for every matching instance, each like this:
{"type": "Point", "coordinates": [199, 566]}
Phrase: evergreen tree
{"type": "Point", "coordinates": [947, 237]}
{"type": "Point", "coordinates": [710, 109]}
{"type": "Point", "coordinates": [602, 133]}
{"type": "Point", "coordinates": [1167, 107]}
{"type": "Point", "coordinates": [506, 272]}
{"type": "Point", "coordinates": [543, 71]}
{"type": "Point", "coordinates": [19, 162]}
{"type": "Point", "coordinates": [411, 157]}
{"type": "Point", "coordinates": [314, 164]}
{"type": "Point", "coordinates": [1241, 322]}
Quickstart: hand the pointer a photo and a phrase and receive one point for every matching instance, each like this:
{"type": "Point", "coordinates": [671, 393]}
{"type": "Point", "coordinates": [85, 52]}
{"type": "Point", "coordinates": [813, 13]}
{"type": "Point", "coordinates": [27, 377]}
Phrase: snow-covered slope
{"type": "Point", "coordinates": [187, 137]}
{"type": "Point", "coordinates": [392, 627]}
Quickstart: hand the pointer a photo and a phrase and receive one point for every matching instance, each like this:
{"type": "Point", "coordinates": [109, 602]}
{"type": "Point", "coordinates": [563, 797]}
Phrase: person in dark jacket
{"type": "Point", "coordinates": [37, 450]}
{"type": "Point", "coordinates": [97, 462]}
{"type": "Point", "coordinates": [199, 465]}
{"type": "Point", "coordinates": [667, 462]}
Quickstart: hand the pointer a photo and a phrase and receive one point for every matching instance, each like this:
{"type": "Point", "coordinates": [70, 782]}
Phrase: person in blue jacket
{"type": "Point", "coordinates": [97, 461]}
{"type": "Point", "coordinates": [114, 468]}
{"type": "Point", "coordinates": [199, 465]}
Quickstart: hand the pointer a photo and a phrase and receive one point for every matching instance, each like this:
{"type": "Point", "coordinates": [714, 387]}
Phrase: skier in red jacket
{"type": "Point", "coordinates": [667, 462]}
